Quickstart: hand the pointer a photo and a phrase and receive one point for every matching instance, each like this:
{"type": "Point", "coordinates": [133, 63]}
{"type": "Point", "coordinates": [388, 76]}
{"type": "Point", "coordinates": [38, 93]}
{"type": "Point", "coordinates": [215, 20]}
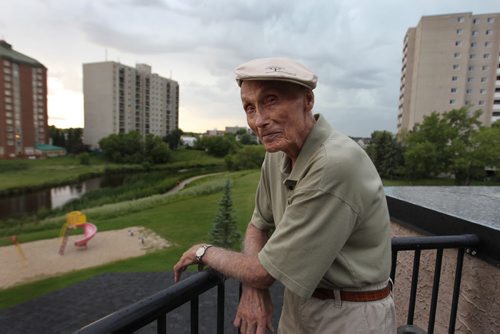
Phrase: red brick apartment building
{"type": "Point", "coordinates": [23, 103]}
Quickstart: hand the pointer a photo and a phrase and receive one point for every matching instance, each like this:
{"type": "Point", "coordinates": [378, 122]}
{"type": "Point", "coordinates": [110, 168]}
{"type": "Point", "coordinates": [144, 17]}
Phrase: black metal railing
{"type": "Point", "coordinates": [462, 243]}
{"type": "Point", "coordinates": [155, 307]}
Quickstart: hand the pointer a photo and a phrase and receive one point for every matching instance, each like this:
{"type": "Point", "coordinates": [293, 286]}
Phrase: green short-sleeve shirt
{"type": "Point", "coordinates": [329, 213]}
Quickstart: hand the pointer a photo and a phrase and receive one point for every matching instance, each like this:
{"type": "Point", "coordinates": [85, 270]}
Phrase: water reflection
{"type": "Point", "coordinates": [52, 198]}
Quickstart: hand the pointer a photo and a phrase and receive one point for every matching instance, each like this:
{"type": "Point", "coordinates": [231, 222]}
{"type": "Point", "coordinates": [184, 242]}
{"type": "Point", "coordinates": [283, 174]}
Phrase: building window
{"type": "Point", "coordinates": [475, 21]}
{"type": "Point", "coordinates": [480, 102]}
{"type": "Point", "coordinates": [489, 32]}
{"type": "Point", "coordinates": [483, 79]}
{"type": "Point", "coordinates": [471, 68]}
{"type": "Point", "coordinates": [482, 91]}
{"type": "Point", "coordinates": [456, 55]}
{"type": "Point", "coordinates": [452, 101]}
{"type": "Point", "coordinates": [460, 31]}
{"type": "Point", "coordinates": [473, 44]}
{"type": "Point", "coordinates": [472, 55]}
{"type": "Point", "coordinates": [458, 43]}
{"type": "Point", "coordinates": [474, 33]}
{"type": "Point", "coordinates": [486, 56]}
{"type": "Point", "coordinates": [467, 102]}
{"type": "Point", "coordinates": [460, 19]}
{"type": "Point", "coordinates": [469, 91]}
{"type": "Point", "coordinates": [453, 90]}
{"type": "Point", "coordinates": [490, 19]}
{"type": "Point", "coordinates": [469, 79]}
{"type": "Point", "coordinates": [485, 67]}
{"type": "Point", "coordinates": [456, 66]}
{"type": "Point", "coordinates": [454, 78]}
{"type": "Point", "coordinates": [487, 44]}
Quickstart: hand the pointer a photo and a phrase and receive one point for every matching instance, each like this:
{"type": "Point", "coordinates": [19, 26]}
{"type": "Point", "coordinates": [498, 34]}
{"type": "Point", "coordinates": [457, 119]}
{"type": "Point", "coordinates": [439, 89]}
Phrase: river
{"type": "Point", "coordinates": [52, 198]}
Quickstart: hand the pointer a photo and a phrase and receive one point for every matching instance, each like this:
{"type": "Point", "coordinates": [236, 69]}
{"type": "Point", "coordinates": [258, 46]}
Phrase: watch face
{"type": "Point", "coordinates": [200, 251]}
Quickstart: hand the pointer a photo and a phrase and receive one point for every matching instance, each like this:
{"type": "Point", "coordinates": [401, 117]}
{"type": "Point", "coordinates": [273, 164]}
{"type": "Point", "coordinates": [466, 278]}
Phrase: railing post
{"type": "Point", "coordinates": [393, 266]}
{"type": "Point", "coordinates": [161, 324]}
{"type": "Point", "coordinates": [456, 290]}
{"type": "Point", "coordinates": [194, 315]}
{"type": "Point", "coordinates": [414, 283]}
{"type": "Point", "coordinates": [435, 290]}
{"type": "Point", "coordinates": [221, 296]}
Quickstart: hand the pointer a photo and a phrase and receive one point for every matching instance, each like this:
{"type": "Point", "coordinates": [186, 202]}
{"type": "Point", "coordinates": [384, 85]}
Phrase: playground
{"type": "Point", "coordinates": [25, 262]}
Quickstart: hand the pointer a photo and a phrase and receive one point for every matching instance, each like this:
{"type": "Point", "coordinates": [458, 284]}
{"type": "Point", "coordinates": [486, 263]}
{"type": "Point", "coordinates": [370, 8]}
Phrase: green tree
{"type": "Point", "coordinates": [218, 146]}
{"type": "Point", "coordinates": [386, 153]}
{"type": "Point", "coordinates": [173, 139]}
{"type": "Point", "coordinates": [156, 150]}
{"type": "Point", "coordinates": [70, 139]}
{"type": "Point", "coordinates": [249, 157]}
{"type": "Point", "coordinates": [132, 148]}
{"type": "Point", "coordinates": [448, 143]}
{"type": "Point", "coordinates": [224, 231]}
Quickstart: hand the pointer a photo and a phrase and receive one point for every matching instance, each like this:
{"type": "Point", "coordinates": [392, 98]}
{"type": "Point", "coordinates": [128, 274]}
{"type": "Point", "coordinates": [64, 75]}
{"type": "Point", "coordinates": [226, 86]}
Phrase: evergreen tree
{"type": "Point", "coordinates": [224, 232]}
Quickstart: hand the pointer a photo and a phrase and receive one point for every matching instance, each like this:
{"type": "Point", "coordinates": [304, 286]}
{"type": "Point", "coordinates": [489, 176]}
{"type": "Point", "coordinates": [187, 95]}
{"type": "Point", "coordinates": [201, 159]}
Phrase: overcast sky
{"type": "Point", "coordinates": [354, 47]}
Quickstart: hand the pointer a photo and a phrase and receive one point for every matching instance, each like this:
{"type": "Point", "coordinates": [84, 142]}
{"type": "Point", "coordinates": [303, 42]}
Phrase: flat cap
{"type": "Point", "coordinates": [279, 69]}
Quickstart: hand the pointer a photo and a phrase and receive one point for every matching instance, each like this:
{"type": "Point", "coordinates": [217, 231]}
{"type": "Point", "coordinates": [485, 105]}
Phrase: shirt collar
{"type": "Point", "coordinates": [319, 133]}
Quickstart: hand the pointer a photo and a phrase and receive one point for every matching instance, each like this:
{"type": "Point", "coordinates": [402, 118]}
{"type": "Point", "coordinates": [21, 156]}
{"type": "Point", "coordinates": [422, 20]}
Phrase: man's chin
{"type": "Point", "coordinates": [271, 148]}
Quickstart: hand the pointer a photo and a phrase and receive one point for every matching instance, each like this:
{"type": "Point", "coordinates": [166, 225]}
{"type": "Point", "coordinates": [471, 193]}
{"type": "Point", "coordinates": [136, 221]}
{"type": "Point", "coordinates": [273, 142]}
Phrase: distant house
{"type": "Point", "coordinates": [49, 151]}
{"type": "Point", "coordinates": [236, 129]}
{"type": "Point", "coordinates": [214, 132]}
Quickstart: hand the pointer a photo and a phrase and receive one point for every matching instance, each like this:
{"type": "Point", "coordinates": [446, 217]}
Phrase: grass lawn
{"type": "Point", "coordinates": [183, 221]}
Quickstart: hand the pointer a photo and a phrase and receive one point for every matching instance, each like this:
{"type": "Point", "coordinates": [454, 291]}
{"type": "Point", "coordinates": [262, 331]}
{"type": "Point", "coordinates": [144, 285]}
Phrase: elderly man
{"type": "Point", "coordinates": [321, 194]}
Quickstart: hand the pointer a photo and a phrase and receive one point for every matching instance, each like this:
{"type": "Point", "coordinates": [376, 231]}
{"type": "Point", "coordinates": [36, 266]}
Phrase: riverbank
{"type": "Point", "coordinates": [19, 176]}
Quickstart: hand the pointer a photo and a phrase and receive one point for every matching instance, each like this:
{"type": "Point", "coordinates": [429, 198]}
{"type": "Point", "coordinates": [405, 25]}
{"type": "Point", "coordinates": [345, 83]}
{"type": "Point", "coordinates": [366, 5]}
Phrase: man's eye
{"type": "Point", "coordinates": [249, 109]}
{"type": "Point", "coordinates": [270, 100]}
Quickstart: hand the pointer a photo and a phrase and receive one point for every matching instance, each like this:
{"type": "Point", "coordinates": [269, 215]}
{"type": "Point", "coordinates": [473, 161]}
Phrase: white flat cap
{"type": "Point", "coordinates": [279, 69]}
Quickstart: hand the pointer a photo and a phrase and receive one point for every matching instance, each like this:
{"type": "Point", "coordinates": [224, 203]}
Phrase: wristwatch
{"type": "Point", "coordinates": [201, 251]}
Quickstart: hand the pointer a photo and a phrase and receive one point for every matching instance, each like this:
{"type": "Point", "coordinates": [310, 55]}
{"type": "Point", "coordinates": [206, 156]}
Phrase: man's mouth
{"type": "Point", "coordinates": [270, 135]}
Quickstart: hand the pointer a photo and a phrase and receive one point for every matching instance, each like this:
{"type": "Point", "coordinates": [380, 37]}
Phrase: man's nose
{"type": "Point", "coordinates": [261, 119]}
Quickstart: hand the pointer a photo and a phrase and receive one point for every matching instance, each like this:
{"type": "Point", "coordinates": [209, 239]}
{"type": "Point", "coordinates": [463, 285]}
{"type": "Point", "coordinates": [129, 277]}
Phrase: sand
{"type": "Point", "coordinates": [43, 260]}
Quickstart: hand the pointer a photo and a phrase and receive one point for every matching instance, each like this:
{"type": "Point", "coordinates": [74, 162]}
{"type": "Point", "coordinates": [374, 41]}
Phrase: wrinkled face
{"type": "Point", "coordinates": [279, 113]}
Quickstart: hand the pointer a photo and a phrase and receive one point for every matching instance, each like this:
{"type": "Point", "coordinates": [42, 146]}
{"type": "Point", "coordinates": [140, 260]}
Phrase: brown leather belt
{"type": "Point", "coordinates": [353, 296]}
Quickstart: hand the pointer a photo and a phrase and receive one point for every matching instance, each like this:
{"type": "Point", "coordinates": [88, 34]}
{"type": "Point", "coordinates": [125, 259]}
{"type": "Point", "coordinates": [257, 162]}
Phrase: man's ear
{"type": "Point", "coordinates": [309, 100]}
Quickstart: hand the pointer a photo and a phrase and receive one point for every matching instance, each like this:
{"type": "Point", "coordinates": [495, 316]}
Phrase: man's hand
{"type": "Point", "coordinates": [187, 259]}
{"type": "Point", "coordinates": [255, 311]}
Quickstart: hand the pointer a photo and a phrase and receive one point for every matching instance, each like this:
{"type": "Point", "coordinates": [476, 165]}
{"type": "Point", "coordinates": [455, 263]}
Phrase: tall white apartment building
{"type": "Point", "coordinates": [450, 61]}
{"type": "Point", "coordinates": [121, 99]}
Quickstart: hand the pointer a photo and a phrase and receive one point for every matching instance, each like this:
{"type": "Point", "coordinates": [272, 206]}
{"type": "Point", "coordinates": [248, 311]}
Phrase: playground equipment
{"type": "Point", "coordinates": [18, 247]}
{"type": "Point", "coordinates": [76, 219]}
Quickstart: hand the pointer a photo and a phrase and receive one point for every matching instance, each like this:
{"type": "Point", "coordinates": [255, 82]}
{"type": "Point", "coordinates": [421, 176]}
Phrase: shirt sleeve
{"type": "Point", "coordinates": [262, 217]}
{"type": "Point", "coordinates": [314, 228]}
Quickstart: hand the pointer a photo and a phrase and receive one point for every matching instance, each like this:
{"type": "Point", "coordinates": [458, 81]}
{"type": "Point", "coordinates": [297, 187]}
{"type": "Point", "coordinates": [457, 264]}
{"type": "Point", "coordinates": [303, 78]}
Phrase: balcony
{"type": "Point", "coordinates": [154, 308]}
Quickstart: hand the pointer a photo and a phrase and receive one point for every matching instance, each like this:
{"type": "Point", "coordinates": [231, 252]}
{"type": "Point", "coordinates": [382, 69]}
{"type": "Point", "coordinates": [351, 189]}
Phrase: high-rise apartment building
{"type": "Point", "coordinates": [23, 103]}
{"type": "Point", "coordinates": [121, 99]}
{"type": "Point", "coordinates": [450, 61]}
